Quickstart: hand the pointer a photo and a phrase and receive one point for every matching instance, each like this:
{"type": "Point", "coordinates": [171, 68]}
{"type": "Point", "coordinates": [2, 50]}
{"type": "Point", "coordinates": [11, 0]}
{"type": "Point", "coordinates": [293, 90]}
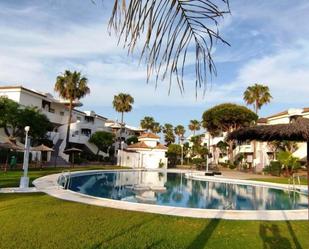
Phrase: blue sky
{"type": "Point", "coordinates": [269, 44]}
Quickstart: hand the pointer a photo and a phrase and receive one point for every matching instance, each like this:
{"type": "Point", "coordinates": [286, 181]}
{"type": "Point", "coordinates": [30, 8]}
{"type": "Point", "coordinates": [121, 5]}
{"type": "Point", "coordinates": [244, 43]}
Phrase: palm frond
{"type": "Point", "coordinates": [171, 30]}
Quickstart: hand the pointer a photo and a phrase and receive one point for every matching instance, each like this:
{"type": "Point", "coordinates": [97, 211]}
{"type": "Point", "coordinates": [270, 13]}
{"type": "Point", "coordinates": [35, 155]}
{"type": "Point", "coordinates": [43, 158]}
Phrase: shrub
{"type": "Point", "coordinates": [199, 162]}
{"type": "Point", "coordinates": [274, 168]}
{"type": "Point", "coordinates": [232, 165]}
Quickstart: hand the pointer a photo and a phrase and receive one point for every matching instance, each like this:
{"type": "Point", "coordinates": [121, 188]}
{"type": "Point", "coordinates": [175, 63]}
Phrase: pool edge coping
{"type": "Point", "coordinates": [49, 185]}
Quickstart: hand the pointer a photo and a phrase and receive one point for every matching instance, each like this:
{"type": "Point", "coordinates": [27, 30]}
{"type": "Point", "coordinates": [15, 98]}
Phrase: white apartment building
{"type": "Point", "coordinates": [83, 124]}
{"type": "Point", "coordinates": [147, 153]}
{"type": "Point", "coordinates": [264, 152]}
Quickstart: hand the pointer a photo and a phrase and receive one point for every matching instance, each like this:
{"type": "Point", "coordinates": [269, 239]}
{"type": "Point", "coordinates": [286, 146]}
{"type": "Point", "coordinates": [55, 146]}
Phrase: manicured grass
{"type": "Point", "coordinates": [11, 178]}
{"type": "Point", "coordinates": [279, 180]}
{"type": "Point", "coordinates": [40, 221]}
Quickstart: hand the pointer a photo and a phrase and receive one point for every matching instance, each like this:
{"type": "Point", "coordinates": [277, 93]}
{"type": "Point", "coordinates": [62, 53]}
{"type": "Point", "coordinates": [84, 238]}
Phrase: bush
{"type": "Point", "coordinates": [232, 165]}
{"type": "Point", "coordinates": [199, 162]}
{"type": "Point", "coordinates": [274, 168]}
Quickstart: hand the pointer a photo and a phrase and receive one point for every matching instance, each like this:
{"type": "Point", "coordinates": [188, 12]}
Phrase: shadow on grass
{"type": "Point", "coordinates": [293, 235]}
{"type": "Point", "coordinates": [201, 240]}
{"type": "Point", "coordinates": [271, 237]}
{"type": "Point", "coordinates": [123, 232]}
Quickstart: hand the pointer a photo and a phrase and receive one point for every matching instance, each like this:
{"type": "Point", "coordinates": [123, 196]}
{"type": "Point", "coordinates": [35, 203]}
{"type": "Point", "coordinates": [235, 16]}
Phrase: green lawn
{"type": "Point", "coordinates": [39, 221]}
{"type": "Point", "coordinates": [278, 180]}
{"type": "Point", "coordinates": [11, 178]}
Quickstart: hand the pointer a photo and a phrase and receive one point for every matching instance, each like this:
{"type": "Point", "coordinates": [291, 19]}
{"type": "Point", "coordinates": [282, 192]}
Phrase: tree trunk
{"type": "Point", "coordinates": [69, 123]}
{"type": "Point", "coordinates": [230, 151]}
{"type": "Point", "coordinates": [6, 130]}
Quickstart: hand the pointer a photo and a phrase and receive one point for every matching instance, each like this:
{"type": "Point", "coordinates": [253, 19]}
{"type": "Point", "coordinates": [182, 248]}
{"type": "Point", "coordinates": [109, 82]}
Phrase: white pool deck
{"type": "Point", "coordinates": [48, 184]}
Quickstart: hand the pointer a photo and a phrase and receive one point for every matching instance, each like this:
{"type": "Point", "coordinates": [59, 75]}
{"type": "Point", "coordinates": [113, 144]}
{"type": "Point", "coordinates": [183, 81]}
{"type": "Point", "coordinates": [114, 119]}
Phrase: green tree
{"type": "Point", "coordinates": [169, 136]}
{"type": "Point", "coordinates": [38, 122]}
{"type": "Point", "coordinates": [13, 119]}
{"type": "Point", "coordinates": [132, 140]}
{"type": "Point", "coordinates": [257, 95]}
{"type": "Point", "coordinates": [179, 131]}
{"type": "Point", "coordinates": [227, 118]}
{"type": "Point", "coordinates": [198, 148]}
{"type": "Point", "coordinates": [123, 103]}
{"type": "Point", "coordinates": [156, 128]}
{"type": "Point", "coordinates": [194, 126]}
{"type": "Point", "coordinates": [71, 86]}
{"type": "Point", "coordinates": [147, 123]}
{"type": "Point", "coordinates": [173, 154]}
{"type": "Point", "coordinates": [103, 140]}
{"type": "Point", "coordinates": [288, 161]}
{"type": "Point", "coordinates": [9, 116]}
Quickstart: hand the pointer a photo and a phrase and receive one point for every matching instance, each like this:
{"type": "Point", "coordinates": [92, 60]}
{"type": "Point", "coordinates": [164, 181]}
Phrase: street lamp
{"type": "Point", "coordinates": [24, 180]}
{"type": "Point", "coordinates": [181, 145]}
{"type": "Point", "coordinates": [121, 153]}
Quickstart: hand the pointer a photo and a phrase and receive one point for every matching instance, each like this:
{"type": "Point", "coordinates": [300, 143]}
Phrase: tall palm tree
{"type": "Point", "coordinates": [257, 95]}
{"type": "Point", "coordinates": [169, 136]}
{"type": "Point", "coordinates": [194, 125]}
{"type": "Point", "coordinates": [123, 103]}
{"type": "Point", "coordinates": [156, 128]}
{"type": "Point", "coordinates": [147, 123]}
{"type": "Point", "coordinates": [71, 86]}
{"type": "Point", "coordinates": [179, 131]}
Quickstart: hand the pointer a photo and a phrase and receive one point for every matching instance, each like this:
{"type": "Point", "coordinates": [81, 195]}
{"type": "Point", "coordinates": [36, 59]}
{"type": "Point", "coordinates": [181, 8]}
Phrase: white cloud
{"type": "Point", "coordinates": [285, 72]}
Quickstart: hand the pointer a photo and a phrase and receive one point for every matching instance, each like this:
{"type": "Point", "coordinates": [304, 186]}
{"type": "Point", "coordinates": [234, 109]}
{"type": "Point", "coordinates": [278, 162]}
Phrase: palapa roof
{"type": "Point", "coordinates": [41, 147]}
{"type": "Point", "coordinates": [72, 150]}
{"type": "Point", "coordinates": [297, 130]}
{"type": "Point", "coordinates": [149, 135]}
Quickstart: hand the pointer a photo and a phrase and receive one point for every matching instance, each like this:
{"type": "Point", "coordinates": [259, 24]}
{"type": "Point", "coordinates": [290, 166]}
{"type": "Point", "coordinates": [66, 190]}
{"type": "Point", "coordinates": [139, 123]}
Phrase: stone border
{"type": "Point", "coordinates": [48, 184]}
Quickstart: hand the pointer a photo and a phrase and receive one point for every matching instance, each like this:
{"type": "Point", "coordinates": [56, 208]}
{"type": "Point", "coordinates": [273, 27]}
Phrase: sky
{"type": "Point", "coordinates": [269, 45]}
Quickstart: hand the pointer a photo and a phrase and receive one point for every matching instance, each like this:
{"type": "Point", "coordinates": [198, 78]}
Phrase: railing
{"type": "Point", "coordinates": [64, 179]}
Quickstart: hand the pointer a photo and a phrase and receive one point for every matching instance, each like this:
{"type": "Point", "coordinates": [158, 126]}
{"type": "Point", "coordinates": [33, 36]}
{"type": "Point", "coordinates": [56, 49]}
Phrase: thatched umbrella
{"type": "Point", "coordinates": [297, 130]}
{"type": "Point", "coordinates": [42, 148]}
{"type": "Point", "coordinates": [72, 151]}
{"type": "Point", "coordinates": [9, 145]}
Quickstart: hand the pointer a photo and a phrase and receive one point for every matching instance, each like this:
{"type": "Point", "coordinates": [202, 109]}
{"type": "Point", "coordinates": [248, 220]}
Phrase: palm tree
{"type": "Point", "coordinates": [169, 136]}
{"type": "Point", "coordinates": [156, 128]}
{"type": "Point", "coordinates": [179, 131]}
{"type": "Point", "coordinates": [194, 125]}
{"type": "Point", "coordinates": [168, 29]}
{"type": "Point", "coordinates": [147, 123]}
{"type": "Point", "coordinates": [257, 95]}
{"type": "Point", "coordinates": [123, 103]}
{"type": "Point", "coordinates": [71, 86]}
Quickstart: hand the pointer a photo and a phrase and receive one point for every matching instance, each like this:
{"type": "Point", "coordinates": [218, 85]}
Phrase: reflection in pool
{"type": "Point", "coordinates": [173, 189]}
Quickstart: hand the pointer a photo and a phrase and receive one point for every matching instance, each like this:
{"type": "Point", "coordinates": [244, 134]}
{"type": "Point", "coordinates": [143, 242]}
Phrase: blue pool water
{"type": "Point", "coordinates": [173, 189]}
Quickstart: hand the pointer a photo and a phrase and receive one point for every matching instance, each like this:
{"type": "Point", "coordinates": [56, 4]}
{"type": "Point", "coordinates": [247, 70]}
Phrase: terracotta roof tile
{"type": "Point", "coordinates": [139, 145]}
{"type": "Point", "coordinates": [161, 147]}
{"type": "Point", "coordinates": [149, 135]}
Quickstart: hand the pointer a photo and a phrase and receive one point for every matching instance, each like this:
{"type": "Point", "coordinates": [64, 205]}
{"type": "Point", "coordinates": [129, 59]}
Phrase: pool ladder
{"type": "Point", "coordinates": [291, 182]}
{"type": "Point", "coordinates": [64, 179]}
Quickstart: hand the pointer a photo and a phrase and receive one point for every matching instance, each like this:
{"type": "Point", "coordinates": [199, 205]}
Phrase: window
{"type": "Point", "coordinates": [61, 113]}
{"type": "Point", "coordinates": [86, 132]}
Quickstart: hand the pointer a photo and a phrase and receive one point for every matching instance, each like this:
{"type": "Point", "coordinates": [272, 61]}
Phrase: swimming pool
{"type": "Point", "coordinates": [173, 189]}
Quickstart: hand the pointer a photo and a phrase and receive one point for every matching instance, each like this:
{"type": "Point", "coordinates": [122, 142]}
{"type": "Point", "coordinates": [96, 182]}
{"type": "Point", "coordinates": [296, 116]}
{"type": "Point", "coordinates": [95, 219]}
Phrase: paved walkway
{"type": "Point", "coordinates": [17, 190]}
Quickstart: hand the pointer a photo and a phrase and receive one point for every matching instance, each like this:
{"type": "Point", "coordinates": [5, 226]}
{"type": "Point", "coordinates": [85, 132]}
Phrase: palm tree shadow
{"type": "Point", "coordinates": [201, 240]}
{"type": "Point", "coordinates": [271, 237]}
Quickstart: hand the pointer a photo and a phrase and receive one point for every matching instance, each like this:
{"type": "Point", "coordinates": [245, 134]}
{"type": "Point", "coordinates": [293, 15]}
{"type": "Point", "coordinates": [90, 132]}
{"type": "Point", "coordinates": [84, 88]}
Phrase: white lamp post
{"type": "Point", "coordinates": [181, 144]}
{"type": "Point", "coordinates": [24, 180]}
{"type": "Point", "coordinates": [121, 153]}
